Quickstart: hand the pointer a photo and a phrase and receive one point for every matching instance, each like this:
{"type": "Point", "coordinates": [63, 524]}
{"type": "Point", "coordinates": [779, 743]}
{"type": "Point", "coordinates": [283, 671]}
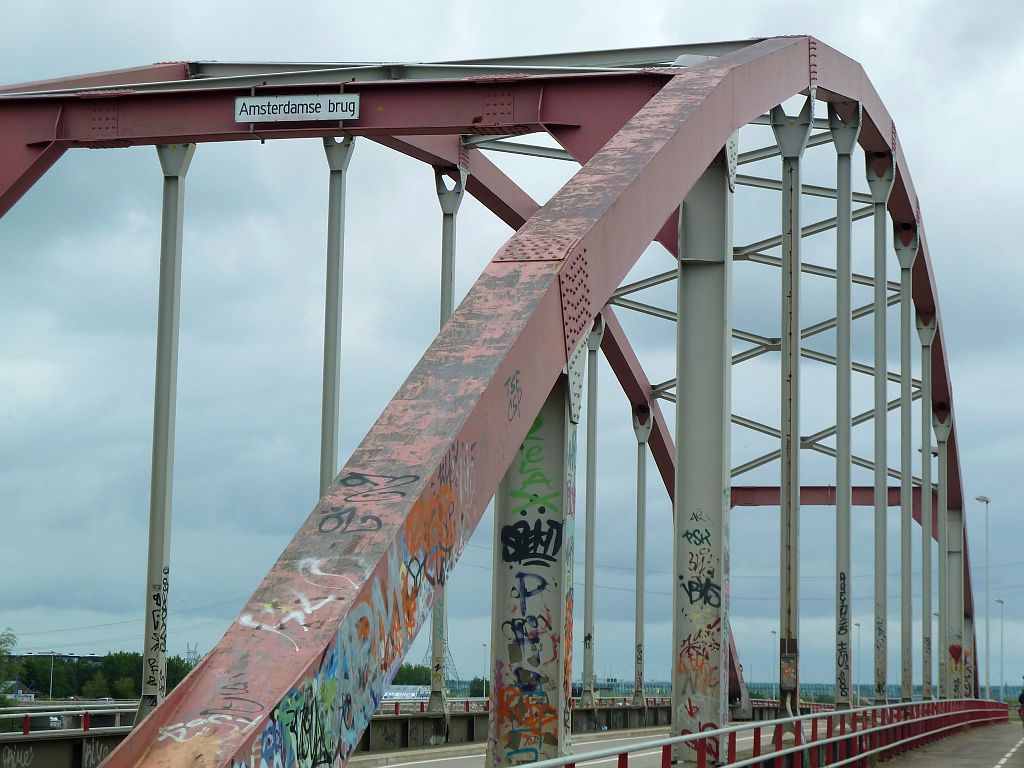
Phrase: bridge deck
{"type": "Point", "coordinates": [994, 746]}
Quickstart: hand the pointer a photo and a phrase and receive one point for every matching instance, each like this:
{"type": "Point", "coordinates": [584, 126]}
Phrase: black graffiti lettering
{"type": "Point", "coordinates": [339, 520]}
{"type": "Point", "coordinates": [536, 545]}
{"type": "Point", "coordinates": [515, 394]}
{"type": "Point", "coordinates": [702, 591]}
{"type": "Point", "coordinates": [374, 487]}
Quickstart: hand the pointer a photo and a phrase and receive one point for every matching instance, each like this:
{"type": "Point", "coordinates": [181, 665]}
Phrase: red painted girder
{"type": "Point", "coordinates": [124, 118]}
{"type": "Point", "coordinates": [448, 436]}
{"type": "Point", "coordinates": [151, 73]}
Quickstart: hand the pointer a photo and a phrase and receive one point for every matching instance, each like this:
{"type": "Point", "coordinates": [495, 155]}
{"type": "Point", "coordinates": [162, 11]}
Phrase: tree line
{"type": "Point", "coordinates": [117, 675]}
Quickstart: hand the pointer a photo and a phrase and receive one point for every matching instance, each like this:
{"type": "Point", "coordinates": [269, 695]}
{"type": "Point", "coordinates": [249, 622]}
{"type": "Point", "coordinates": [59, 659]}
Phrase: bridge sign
{"type": "Point", "coordinates": [297, 107]}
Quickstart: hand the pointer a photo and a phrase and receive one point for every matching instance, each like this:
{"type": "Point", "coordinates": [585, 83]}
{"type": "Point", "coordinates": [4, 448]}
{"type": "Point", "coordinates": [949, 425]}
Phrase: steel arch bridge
{"type": "Point", "coordinates": [490, 409]}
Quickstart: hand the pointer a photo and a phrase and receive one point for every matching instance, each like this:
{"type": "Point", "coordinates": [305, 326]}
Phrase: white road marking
{"type": "Point", "coordinates": [1008, 755]}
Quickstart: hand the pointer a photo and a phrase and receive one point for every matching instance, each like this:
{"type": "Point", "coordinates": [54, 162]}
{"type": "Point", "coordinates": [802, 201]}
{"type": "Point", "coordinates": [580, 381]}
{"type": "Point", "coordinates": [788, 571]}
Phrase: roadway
{"type": "Point", "coordinates": [991, 746]}
{"type": "Point", "coordinates": [581, 743]}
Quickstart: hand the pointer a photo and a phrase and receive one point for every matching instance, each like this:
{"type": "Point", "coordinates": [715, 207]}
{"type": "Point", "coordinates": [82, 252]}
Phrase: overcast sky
{"type": "Point", "coordinates": [78, 283]}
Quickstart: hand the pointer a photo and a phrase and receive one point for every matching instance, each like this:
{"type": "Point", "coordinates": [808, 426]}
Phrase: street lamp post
{"type": "Point", "coordinates": [773, 667]}
{"type": "Point", "coordinates": [988, 688]}
{"type": "Point", "coordinates": [487, 669]}
{"type": "Point", "coordinates": [856, 626]}
{"type": "Point", "coordinates": [1002, 695]}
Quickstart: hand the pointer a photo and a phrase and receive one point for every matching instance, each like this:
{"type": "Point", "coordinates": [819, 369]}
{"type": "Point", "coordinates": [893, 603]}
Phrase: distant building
{"type": "Point", "coordinates": [18, 691]}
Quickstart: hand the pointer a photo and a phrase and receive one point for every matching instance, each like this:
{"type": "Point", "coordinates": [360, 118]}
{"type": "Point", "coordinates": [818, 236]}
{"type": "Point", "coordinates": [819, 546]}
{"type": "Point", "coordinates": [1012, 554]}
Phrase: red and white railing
{"type": "Point", "coordinates": [842, 737]}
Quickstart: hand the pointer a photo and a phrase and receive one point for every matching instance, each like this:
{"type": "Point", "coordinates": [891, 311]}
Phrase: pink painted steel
{"type": "Point", "coordinates": [300, 672]}
{"type": "Point", "coordinates": [152, 73]}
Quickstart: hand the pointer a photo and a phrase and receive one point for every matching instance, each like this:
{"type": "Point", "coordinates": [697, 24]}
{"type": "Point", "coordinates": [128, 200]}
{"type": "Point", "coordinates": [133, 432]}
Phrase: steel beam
{"type": "Point", "coordinates": [643, 422]}
{"type": "Point", "coordinates": [531, 646]}
{"type": "Point", "coordinates": [905, 242]}
{"type": "Point", "coordinates": [449, 198]}
{"type": "Point", "coordinates": [942, 428]}
{"type": "Point", "coordinates": [174, 162]}
{"type": "Point", "coordinates": [700, 615]}
{"type": "Point", "coordinates": [954, 607]}
{"type": "Point", "coordinates": [844, 136]}
{"type": "Point", "coordinates": [881, 174]}
{"type": "Point", "coordinates": [791, 135]}
{"type": "Point", "coordinates": [339, 154]}
{"type": "Point", "coordinates": [588, 697]}
{"type": "Point", "coordinates": [926, 333]}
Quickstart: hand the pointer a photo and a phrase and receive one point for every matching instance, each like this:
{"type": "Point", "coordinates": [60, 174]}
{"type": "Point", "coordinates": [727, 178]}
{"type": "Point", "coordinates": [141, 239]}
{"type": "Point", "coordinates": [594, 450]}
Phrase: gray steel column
{"type": "Point", "coordinates": [844, 137]}
{"type": "Point", "coordinates": [531, 666]}
{"type": "Point", "coordinates": [791, 135]}
{"type": "Point", "coordinates": [450, 200]}
{"type": "Point", "coordinates": [880, 173]}
{"type": "Point", "coordinates": [942, 428]}
{"type": "Point", "coordinates": [642, 424]}
{"type": "Point", "coordinates": [174, 161]}
{"type": "Point", "coordinates": [956, 649]}
{"type": "Point", "coordinates": [926, 332]}
{"type": "Point", "coordinates": [700, 625]}
{"type": "Point", "coordinates": [588, 697]}
{"type": "Point", "coordinates": [906, 251]}
{"type": "Point", "coordinates": [339, 153]}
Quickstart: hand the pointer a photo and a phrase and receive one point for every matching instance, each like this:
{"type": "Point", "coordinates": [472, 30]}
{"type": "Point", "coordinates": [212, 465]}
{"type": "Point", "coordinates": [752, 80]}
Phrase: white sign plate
{"type": "Point", "coordinates": [303, 107]}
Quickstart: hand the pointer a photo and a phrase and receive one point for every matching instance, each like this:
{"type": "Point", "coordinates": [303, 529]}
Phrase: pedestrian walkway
{"type": "Point", "coordinates": [991, 746]}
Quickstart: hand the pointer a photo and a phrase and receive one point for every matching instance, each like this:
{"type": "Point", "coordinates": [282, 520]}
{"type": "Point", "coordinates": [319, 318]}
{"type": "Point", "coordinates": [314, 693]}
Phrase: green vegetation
{"type": "Point", "coordinates": [117, 675]}
{"type": "Point", "coordinates": [411, 674]}
{"type": "Point", "coordinates": [8, 666]}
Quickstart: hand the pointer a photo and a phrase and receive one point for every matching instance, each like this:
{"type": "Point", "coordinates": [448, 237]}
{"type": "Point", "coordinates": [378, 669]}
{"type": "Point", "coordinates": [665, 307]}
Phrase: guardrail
{"type": "Point", "coordinates": [68, 718]}
{"type": "Point", "coordinates": [842, 737]}
{"type": "Point", "coordinates": [413, 706]}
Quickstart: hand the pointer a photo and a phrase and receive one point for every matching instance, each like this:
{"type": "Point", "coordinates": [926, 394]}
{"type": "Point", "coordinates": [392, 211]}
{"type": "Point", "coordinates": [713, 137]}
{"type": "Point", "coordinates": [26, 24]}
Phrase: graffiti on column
{"type": "Point", "coordinates": [843, 639]}
{"type": "Point", "coordinates": [956, 658]}
{"type": "Point", "coordinates": [701, 665]}
{"type": "Point", "coordinates": [156, 643]}
{"type": "Point", "coordinates": [536, 542]}
{"type": "Point", "coordinates": [880, 656]}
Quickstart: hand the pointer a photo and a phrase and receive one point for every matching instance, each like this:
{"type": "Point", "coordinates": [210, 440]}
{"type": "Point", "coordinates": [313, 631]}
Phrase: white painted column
{"type": "Point", "coordinates": [926, 332]}
{"type": "Point", "coordinates": [643, 421]}
{"type": "Point", "coordinates": [339, 154]}
{"type": "Point", "coordinates": [450, 199]}
{"type": "Point", "coordinates": [844, 137]}
{"type": "Point", "coordinates": [588, 697]}
{"type": "Point", "coordinates": [531, 630]}
{"type": "Point", "coordinates": [942, 428]}
{"type": "Point", "coordinates": [791, 135]}
{"type": "Point", "coordinates": [700, 627]}
{"type": "Point", "coordinates": [174, 162]}
{"type": "Point", "coordinates": [880, 174]}
{"type": "Point", "coordinates": [906, 244]}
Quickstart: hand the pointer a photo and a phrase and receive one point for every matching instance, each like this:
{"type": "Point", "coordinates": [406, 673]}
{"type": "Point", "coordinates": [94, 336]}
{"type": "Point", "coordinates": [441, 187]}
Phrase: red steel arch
{"type": "Point", "coordinates": [369, 556]}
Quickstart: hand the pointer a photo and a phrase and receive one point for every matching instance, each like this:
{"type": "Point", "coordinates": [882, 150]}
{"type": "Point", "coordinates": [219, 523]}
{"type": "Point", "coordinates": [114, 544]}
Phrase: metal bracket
{"type": "Point", "coordinates": [906, 242]}
{"type": "Point", "coordinates": [450, 199]}
{"type": "Point", "coordinates": [175, 158]}
{"type": "Point", "coordinates": [791, 132]}
{"type": "Point", "coordinates": [596, 334]}
{"type": "Point", "coordinates": [944, 427]}
{"type": "Point", "coordinates": [575, 369]}
{"type": "Point", "coordinates": [844, 133]}
{"type": "Point", "coordinates": [643, 422]}
{"type": "Point", "coordinates": [881, 173]}
{"type": "Point", "coordinates": [926, 330]}
{"type": "Point", "coordinates": [339, 153]}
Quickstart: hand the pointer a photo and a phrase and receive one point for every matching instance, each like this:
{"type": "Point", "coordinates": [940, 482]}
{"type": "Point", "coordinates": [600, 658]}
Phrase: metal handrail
{"type": "Point", "coordinates": [705, 736]}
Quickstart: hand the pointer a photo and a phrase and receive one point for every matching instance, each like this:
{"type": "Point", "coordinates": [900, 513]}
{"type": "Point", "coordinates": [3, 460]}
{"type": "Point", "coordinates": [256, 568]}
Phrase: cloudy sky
{"type": "Point", "coordinates": [78, 279]}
